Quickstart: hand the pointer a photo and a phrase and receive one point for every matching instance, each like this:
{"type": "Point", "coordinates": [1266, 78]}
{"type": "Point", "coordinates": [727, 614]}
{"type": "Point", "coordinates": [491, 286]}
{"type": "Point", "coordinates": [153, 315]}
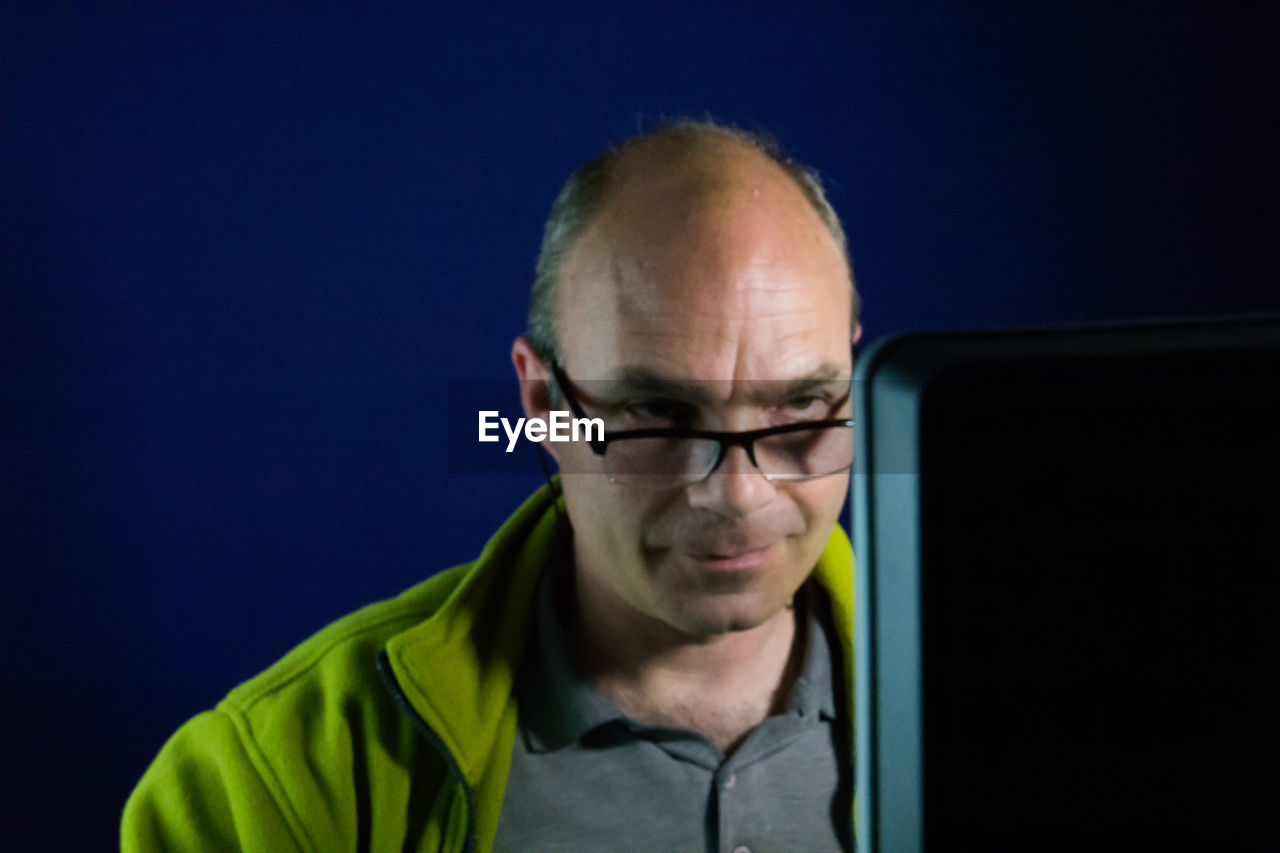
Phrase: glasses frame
{"type": "Point", "coordinates": [724, 440]}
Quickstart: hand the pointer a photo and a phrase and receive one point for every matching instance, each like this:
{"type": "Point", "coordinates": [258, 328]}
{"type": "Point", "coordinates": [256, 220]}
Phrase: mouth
{"type": "Point", "coordinates": [733, 560]}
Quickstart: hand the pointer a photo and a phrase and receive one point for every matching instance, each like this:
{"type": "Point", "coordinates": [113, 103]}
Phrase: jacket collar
{"type": "Point", "coordinates": [458, 667]}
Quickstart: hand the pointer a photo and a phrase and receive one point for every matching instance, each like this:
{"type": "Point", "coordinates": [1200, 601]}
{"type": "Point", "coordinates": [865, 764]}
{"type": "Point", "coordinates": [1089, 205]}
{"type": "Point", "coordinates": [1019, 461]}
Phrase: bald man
{"type": "Point", "coordinates": [655, 650]}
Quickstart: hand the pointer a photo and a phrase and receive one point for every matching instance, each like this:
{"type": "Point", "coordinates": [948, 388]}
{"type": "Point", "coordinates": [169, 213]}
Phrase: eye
{"type": "Point", "coordinates": [658, 410]}
{"type": "Point", "coordinates": [807, 406]}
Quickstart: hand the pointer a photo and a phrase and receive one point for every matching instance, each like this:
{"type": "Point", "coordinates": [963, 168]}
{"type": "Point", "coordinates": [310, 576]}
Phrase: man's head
{"type": "Point", "coordinates": [709, 264]}
{"type": "Point", "coordinates": [584, 194]}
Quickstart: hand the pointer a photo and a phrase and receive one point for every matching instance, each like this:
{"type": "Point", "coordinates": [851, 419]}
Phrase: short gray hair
{"type": "Point", "coordinates": [583, 196]}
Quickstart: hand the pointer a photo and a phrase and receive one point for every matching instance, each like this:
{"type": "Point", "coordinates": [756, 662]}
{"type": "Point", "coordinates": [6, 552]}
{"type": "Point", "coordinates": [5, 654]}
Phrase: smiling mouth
{"type": "Point", "coordinates": [731, 561]}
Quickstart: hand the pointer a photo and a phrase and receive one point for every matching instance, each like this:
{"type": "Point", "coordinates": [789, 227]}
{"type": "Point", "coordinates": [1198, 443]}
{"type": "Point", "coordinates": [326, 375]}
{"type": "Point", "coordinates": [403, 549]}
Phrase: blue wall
{"type": "Point", "coordinates": [243, 250]}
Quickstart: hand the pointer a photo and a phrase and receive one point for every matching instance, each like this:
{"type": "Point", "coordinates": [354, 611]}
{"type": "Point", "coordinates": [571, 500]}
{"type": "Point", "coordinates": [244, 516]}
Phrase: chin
{"type": "Point", "coordinates": [724, 614]}
{"type": "Point", "coordinates": [742, 601]}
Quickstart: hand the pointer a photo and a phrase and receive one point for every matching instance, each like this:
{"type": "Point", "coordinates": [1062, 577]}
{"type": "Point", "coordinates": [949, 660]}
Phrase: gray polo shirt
{"type": "Point", "coordinates": [584, 776]}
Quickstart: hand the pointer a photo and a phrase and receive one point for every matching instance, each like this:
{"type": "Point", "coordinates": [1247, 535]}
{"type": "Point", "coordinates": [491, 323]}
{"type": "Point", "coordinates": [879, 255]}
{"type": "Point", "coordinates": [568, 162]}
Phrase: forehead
{"type": "Point", "coordinates": [716, 269]}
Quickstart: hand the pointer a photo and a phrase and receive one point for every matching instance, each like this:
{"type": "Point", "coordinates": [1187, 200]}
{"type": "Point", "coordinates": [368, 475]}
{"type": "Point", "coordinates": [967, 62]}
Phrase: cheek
{"type": "Point", "coordinates": [820, 501]}
{"type": "Point", "coordinates": [607, 524]}
{"type": "Point", "coordinates": [622, 526]}
{"type": "Point", "coordinates": [573, 459]}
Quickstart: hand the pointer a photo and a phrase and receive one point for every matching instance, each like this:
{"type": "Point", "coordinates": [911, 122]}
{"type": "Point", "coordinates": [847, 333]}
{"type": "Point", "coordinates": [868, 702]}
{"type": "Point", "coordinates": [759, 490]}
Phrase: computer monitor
{"type": "Point", "coordinates": [1068, 588]}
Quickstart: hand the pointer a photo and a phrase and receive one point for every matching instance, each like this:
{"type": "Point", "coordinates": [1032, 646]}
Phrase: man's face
{"type": "Point", "coordinates": [731, 289]}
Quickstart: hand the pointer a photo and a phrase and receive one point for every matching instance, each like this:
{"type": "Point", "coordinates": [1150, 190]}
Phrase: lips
{"type": "Point", "coordinates": [709, 541]}
{"type": "Point", "coordinates": [732, 559]}
{"type": "Point", "coordinates": [727, 552]}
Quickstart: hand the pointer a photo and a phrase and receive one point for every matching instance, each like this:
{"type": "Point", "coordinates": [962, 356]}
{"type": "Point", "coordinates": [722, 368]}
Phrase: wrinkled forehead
{"type": "Point", "coordinates": [728, 276]}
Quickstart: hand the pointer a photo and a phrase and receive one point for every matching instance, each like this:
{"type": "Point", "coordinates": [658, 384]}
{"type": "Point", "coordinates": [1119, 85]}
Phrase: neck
{"type": "Point", "coordinates": [720, 684]}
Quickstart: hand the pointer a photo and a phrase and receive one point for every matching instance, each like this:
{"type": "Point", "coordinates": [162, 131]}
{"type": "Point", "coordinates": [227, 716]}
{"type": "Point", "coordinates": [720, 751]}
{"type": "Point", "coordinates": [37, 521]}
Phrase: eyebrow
{"type": "Point", "coordinates": [637, 379]}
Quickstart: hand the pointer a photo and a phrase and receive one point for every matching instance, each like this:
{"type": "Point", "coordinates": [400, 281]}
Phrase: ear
{"type": "Point", "coordinates": [857, 334]}
{"type": "Point", "coordinates": [535, 385]}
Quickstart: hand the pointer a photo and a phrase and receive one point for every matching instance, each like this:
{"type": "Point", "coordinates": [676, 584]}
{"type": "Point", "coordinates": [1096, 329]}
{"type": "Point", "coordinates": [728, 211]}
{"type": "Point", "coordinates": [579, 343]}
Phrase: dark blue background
{"type": "Point", "coordinates": [243, 250]}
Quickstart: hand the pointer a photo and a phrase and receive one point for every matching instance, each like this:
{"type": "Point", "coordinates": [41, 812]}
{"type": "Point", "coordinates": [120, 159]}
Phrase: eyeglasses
{"type": "Point", "coordinates": [672, 457]}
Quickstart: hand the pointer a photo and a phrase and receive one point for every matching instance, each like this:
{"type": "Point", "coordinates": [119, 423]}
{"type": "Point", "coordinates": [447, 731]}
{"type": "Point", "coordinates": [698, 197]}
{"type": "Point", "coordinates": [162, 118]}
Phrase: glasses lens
{"type": "Point", "coordinates": [805, 453]}
{"type": "Point", "coordinates": [659, 462]}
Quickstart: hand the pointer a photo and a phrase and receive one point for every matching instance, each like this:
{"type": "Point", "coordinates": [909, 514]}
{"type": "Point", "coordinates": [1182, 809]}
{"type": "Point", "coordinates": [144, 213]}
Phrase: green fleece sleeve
{"type": "Point", "coordinates": [209, 789]}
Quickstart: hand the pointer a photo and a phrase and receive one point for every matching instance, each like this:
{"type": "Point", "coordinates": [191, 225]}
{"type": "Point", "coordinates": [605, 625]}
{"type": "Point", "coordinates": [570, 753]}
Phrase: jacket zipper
{"type": "Point", "coordinates": [397, 693]}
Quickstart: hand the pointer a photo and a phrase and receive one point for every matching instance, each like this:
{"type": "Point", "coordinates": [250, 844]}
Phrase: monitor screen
{"type": "Point", "coordinates": [1068, 586]}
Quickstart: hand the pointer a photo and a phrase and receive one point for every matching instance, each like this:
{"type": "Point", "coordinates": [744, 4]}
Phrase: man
{"type": "Point", "coordinates": [644, 663]}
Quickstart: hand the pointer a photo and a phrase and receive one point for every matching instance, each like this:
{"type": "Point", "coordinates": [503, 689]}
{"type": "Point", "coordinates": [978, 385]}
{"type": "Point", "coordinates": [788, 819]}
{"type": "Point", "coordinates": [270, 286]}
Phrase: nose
{"type": "Point", "coordinates": [735, 488]}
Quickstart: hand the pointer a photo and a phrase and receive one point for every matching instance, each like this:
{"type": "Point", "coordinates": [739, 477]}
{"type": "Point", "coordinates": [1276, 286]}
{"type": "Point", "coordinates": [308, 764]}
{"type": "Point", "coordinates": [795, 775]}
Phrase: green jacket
{"type": "Point", "coordinates": [390, 729]}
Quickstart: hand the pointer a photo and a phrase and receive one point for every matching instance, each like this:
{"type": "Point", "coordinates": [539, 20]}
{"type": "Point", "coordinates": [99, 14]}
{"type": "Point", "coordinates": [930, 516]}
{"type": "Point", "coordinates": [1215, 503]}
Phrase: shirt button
{"type": "Point", "coordinates": [728, 784]}
{"type": "Point", "coordinates": [742, 848]}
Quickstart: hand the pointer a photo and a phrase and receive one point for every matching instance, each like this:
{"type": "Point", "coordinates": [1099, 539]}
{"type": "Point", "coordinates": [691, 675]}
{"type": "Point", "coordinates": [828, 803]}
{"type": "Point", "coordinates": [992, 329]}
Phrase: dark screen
{"type": "Point", "coordinates": [1099, 601]}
